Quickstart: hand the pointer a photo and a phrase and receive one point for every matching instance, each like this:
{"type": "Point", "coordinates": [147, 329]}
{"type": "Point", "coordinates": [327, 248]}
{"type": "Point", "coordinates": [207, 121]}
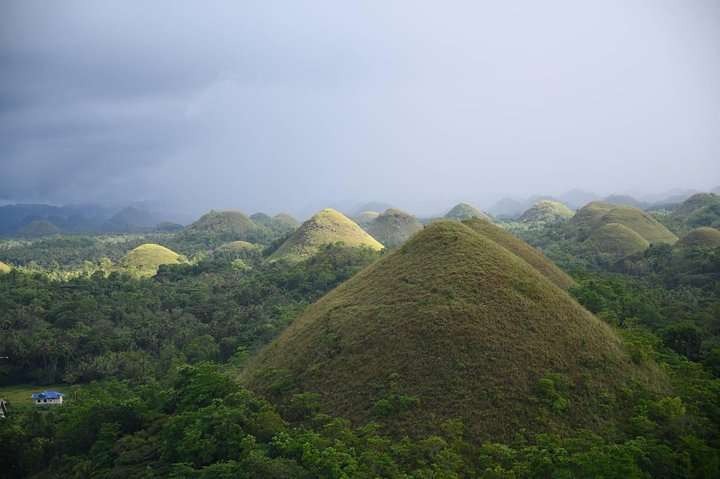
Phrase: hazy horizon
{"type": "Point", "coordinates": [314, 104]}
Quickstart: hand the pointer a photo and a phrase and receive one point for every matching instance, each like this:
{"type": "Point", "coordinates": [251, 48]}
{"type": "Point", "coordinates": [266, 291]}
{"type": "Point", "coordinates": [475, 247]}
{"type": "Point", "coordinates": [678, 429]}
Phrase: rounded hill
{"type": "Point", "coordinates": [464, 211]}
{"type": "Point", "coordinates": [597, 214]}
{"type": "Point", "coordinates": [696, 202]}
{"type": "Point", "coordinates": [546, 211]}
{"type": "Point", "coordinates": [394, 227]}
{"type": "Point", "coordinates": [615, 240]}
{"type": "Point", "coordinates": [704, 237]}
{"type": "Point", "coordinates": [591, 212]}
{"type": "Point", "coordinates": [451, 325]}
{"type": "Point", "coordinates": [518, 247]}
{"type": "Point", "coordinates": [326, 227]}
{"type": "Point", "coordinates": [147, 258]}
{"type": "Point", "coordinates": [365, 218]}
{"type": "Point", "coordinates": [219, 227]}
{"type": "Point", "coordinates": [38, 228]}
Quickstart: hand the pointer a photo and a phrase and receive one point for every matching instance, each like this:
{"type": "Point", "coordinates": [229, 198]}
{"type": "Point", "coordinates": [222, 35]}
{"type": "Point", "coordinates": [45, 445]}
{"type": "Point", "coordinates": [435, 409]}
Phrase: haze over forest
{"type": "Point", "coordinates": [306, 105]}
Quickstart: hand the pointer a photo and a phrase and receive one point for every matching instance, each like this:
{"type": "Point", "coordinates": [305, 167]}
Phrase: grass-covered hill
{"type": "Point", "coordinates": [701, 209]}
{"type": "Point", "coordinates": [219, 227]}
{"type": "Point", "coordinates": [147, 258]}
{"type": "Point", "coordinates": [326, 227]}
{"type": "Point", "coordinates": [4, 268]}
{"type": "Point", "coordinates": [518, 247]}
{"type": "Point", "coordinates": [38, 228]}
{"type": "Point", "coordinates": [366, 218]}
{"type": "Point", "coordinates": [452, 325]}
{"type": "Point", "coordinates": [464, 211]}
{"type": "Point", "coordinates": [704, 237]}
{"type": "Point", "coordinates": [598, 214]}
{"type": "Point", "coordinates": [280, 224]}
{"type": "Point", "coordinates": [615, 240]}
{"type": "Point", "coordinates": [546, 211]}
{"type": "Point", "coordinates": [394, 227]}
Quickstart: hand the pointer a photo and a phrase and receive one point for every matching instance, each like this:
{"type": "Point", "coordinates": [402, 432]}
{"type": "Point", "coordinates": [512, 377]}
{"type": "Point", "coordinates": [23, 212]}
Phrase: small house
{"type": "Point", "coordinates": [48, 397]}
{"type": "Point", "coordinates": [3, 409]}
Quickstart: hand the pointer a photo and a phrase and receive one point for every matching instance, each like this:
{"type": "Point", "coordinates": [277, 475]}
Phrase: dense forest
{"type": "Point", "coordinates": [149, 363]}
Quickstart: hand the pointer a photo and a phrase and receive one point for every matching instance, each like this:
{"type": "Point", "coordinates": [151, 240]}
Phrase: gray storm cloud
{"type": "Point", "coordinates": [291, 105]}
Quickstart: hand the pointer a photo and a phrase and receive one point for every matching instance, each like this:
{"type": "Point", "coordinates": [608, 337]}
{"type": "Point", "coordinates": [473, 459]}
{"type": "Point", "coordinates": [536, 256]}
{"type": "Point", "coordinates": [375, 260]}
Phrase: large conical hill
{"type": "Point", "coordinates": [147, 258]}
{"type": "Point", "coordinates": [326, 227]}
{"type": "Point", "coordinates": [704, 237]}
{"type": "Point", "coordinates": [451, 325]}
{"type": "Point", "coordinates": [464, 211]}
{"type": "Point", "coordinates": [615, 240]}
{"type": "Point", "coordinates": [591, 212]}
{"type": "Point", "coordinates": [518, 247]}
{"type": "Point", "coordinates": [394, 227]}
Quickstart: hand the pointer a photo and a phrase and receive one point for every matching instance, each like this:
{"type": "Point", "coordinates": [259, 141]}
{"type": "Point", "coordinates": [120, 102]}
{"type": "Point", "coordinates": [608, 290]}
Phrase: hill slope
{"type": "Point", "coordinates": [147, 258]}
{"type": "Point", "coordinates": [327, 226]}
{"type": "Point", "coordinates": [615, 240]}
{"type": "Point", "coordinates": [394, 227]}
{"type": "Point", "coordinates": [518, 247]}
{"type": "Point", "coordinates": [38, 228]}
{"type": "Point", "coordinates": [366, 218]}
{"type": "Point", "coordinates": [464, 211]}
{"type": "Point", "coordinates": [472, 331]}
{"type": "Point", "coordinates": [597, 214]}
{"type": "Point", "coordinates": [218, 227]}
{"type": "Point", "coordinates": [546, 211]}
{"type": "Point", "coordinates": [4, 268]}
{"type": "Point", "coordinates": [704, 237]}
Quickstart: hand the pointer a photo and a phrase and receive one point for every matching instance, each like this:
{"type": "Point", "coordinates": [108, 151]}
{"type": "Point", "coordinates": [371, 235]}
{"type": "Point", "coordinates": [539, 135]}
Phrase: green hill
{"type": "Point", "coordinates": [38, 228]}
{"type": "Point", "coordinates": [464, 211]}
{"type": "Point", "coordinates": [615, 240]}
{"type": "Point", "coordinates": [147, 258]}
{"type": "Point", "coordinates": [238, 246]}
{"type": "Point", "coordinates": [590, 213]}
{"type": "Point", "coordinates": [280, 224]}
{"type": "Point", "coordinates": [518, 247]}
{"type": "Point", "coordinates": [696, 202]}
{"type": "Point", "coordinates": [4, 268]}
{"type": "Point", "coordinates": [326, 227]}
{"type": "Point", "coordinates": [219, 227]}
{"type": "Point", "coordinates": [452, 326]}
{"type": "Point", "coordinates": [394, 227]}
{"type": "Point", "coordinates": [703, 237]}
{"type": "Point", "coordinates": [597, 214]}
{"type": "Point", "coordinates": [546, 211]}
{"type": "Point", "coordinates": [638, 221]}
{"type": "Point", "coordinates": [366, 218]}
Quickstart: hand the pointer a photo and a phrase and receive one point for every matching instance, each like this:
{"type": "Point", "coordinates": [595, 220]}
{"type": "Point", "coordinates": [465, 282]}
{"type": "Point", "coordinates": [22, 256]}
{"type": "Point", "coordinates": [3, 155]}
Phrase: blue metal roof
{"type": "Point", "coordinates": [47, 395]}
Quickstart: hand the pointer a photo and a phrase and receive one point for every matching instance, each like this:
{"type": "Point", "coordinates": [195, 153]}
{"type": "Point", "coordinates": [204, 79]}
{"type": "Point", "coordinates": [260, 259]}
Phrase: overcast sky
{"type": "Point", "coordinates": [290, 105]}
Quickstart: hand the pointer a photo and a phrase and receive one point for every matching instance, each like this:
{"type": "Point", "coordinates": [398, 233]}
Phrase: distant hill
{"type": "Point", "coordinates": [523, 250]}
{"type": "Point", "coordinates": [703, 237]}
{"type": "Point", "coordinates": [626, 200]}
{"type": "Point", "coordinates": [38, 228]}
{"type": "Point", "coordinates": [326, 227]}
{"type": "Point", "coordinates": [452, 325]}
{"type": "Point", "coordinates": [393, 227]}
{"type": "Point", "coordinates": [464, 211]}
{"type": "Point", "coordinates": [219, 227]}
{"type": "Point", "coordinates": [131, 219]}
{"type": "Point", "coordinates": [701, 209]}
{"type": "Point", "coordinates": [546, 212]}
{"type": "Point", "coordinates": [576, 199]}
{"type": "Point", "coordinates": [509, 207]}
{"type": "Point", "coordinates": [615, 240]}
{"type": "Point", "coordinates": [365, 218]}
{"type": "Point", "coordinates": [598, 213]}
{"type": "Point", "coordinates": [4, 268]}
{"type": "Point", "coordinates": [281, 224]}
{"type": "Point", "coordinates": [147, 258]}
{"type": "Point", "coordinates": [371, 206]}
